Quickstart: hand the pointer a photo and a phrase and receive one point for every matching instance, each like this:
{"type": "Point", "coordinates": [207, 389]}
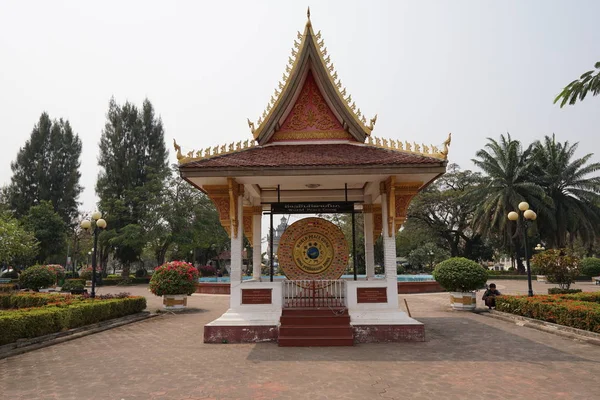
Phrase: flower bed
{"type": "Point", "coordinates": [581, 310]}
{"type": "Point", "coordinates": [30, 315]}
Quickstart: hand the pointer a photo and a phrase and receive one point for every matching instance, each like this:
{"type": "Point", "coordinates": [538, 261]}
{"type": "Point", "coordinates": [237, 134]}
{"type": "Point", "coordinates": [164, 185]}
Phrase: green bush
{"type": "Point", "coordinates": [459, 274]}
{"type": "Point", "coordinates": [37, 277]}
{"type": "Point", "coordinates": [568, 310]}
{"type": "Point", "coordinates": [140, 273]}
{"type": "Point", "coordinates": [27, 300]}
{"type": "Point", "coordinates": [563, 291]}
{"type": "Point", "coordinates": [559, 266]}
{"type": "Point", "coordinates": [21, 324]}
{"type": "Point", "coordinates": [72, 284]}
{"type": "Point", "coordinates": [124, 282]}
{"type": "Point", "coordinates": [590, 266]}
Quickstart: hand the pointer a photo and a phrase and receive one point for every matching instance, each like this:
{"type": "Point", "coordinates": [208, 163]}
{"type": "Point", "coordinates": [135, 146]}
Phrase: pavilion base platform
{"type": "Point", "coordinates": [381, 326]}
{"type": "Point", "coordinates": [248, 323]}
{"type": "Point", "coordinates": [243, 326]}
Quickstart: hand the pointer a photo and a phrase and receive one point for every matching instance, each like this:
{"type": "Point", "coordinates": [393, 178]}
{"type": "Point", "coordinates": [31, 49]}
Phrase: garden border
{"type": "Point", "coordinates": [549, 327]}
{"type": "Point", "coordinates": [26, 345]}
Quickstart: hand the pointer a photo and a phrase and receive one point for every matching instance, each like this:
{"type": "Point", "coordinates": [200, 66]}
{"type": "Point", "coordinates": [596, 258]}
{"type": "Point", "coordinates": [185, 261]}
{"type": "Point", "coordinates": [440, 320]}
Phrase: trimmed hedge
{"type": "Point", "coordinates": [581, 310]}
{"type": "Point", "coordinates": [556, 290]}
{"type": "Point", "coordinates": [30, 323]}
{"type": "Point", "coordinates": [27, 300]}
{"type": "Point", "coordinates": [581, 278]}
{"type": "Point", "coordinates": [121, 281]}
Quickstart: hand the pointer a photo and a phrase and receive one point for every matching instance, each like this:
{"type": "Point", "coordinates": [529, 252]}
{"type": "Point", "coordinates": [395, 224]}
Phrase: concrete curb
{"type": "Point", "coordinates": [27, 345]}
{"type": "Point", "coordinates": [560, 330]}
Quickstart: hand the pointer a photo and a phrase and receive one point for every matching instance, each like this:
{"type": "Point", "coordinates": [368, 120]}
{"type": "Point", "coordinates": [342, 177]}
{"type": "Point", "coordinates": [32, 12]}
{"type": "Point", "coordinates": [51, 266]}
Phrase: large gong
{"type": "Point", "coordinates": [313, 248]}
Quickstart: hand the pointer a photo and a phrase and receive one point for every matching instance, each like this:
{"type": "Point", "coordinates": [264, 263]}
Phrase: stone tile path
{"type": "Point", "coordinates": [466, 356]}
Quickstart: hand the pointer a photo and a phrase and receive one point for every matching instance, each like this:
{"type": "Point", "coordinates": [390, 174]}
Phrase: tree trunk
{"type": "Point", "coordinates": [125, 271]}
{"type": "Point", "coordinates": [520, 266]}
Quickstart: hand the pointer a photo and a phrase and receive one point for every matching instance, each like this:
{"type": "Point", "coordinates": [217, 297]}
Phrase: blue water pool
{"type": "Point", "coordinates": [401, 278]}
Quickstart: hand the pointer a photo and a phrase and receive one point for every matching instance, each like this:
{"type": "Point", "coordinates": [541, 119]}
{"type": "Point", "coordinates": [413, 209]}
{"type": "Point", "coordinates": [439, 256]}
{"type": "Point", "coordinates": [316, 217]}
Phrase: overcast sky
{"type": "Point", "coordinates": [473, 68]}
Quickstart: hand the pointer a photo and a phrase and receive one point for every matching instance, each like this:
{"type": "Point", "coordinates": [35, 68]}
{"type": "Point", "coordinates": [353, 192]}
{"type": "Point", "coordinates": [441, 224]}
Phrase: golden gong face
{"type": "Point", "coordinates": [313, 248]}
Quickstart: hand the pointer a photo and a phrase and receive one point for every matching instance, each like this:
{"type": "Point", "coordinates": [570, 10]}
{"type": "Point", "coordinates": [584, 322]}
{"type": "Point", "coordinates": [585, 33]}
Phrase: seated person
{"type": "Point", "coordinates": [490, 296]}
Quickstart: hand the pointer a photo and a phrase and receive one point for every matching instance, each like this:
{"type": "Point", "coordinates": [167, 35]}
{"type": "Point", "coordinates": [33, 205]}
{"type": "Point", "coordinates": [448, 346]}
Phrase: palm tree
{"type": "Point", "coordinates": [508, 168]}
{"type": "Point", "coordinates": [575, 195]}
{"type": "Point", "coordinates": [579, 88]}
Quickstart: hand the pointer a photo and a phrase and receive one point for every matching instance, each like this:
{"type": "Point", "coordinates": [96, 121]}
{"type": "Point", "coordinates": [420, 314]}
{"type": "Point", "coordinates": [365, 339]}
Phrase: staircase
{"type": "Point", "coordinates": [315, 327]}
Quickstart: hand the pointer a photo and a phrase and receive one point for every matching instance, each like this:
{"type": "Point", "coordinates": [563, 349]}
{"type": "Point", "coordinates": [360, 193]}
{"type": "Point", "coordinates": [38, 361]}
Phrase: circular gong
{"type": "Point", "coordinates": [313, 249]}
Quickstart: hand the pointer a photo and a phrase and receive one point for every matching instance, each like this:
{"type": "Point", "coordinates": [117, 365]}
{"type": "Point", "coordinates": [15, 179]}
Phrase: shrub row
{"type": "Point", "coordinates": [120, 281]}
{"type": "Point", "coordinates": [581, 278]}
{"type": "Point", "coordinates": [27, 300]}
{"type": "Point", "coordinates": [556, 290]}
{"type": "Point", "coordinates": [569, 310]}
{"type": "Point", "coordinates": [30, 323]}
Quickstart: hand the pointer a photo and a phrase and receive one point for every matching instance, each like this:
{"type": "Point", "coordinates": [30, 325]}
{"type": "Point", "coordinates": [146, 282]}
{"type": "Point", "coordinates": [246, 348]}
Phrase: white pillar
{"type": "Point", "coordinates": [369, 249]}
{"type": "Point", "coordinates": [389, 255]}
{"type": "Point", "coordinates": [237, 246]}
{"type": "Point", "coordinates": [256, 245]}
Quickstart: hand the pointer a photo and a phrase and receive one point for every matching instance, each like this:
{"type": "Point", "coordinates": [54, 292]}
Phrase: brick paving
{"type": "Point", "coordinates": [465, 356]}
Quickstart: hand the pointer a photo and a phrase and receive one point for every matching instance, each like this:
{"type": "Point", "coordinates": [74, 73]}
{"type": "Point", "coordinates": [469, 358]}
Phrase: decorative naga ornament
{"type": "Point", "coordinates": [313, 249]}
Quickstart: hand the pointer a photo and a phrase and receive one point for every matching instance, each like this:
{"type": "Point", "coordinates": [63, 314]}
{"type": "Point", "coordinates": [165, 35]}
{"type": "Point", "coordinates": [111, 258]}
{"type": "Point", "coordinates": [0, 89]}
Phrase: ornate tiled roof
{"type": "Point", "coordinates": [307, 155]}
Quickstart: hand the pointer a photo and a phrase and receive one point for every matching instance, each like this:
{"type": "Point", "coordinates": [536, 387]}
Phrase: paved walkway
{"type": "Point", "coordinates": [466, 356]}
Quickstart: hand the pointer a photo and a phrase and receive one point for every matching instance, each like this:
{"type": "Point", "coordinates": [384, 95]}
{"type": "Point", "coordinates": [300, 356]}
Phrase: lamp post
{"type": "Point", "coordinates": [98, 222]}
{"type": "Point", "coordinates": [539, 247]}
{"type": "Point", "coordinates": [526, 216]}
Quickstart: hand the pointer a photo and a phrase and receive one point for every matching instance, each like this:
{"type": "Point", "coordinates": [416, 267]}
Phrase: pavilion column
{"type": "Point", "coordinates": [256, 239]}
{"type": "Point", "coordinates": [237, 242]}
{"type": "Point", "coordinates": [369, 247]}
{"type": "Point", "coordinates": [389, 243]}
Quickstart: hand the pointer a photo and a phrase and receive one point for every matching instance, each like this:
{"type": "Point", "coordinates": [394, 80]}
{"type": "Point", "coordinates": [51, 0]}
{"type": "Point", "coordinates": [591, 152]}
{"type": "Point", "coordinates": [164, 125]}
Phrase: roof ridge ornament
{"type": "Point", "coordinates": [211, 152]}
{"type": "Point", "coordinates": [414, 147]}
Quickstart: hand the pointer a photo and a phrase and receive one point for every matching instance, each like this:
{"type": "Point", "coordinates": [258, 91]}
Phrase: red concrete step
{"type": "Point", "coordinates": [295, 341]}
{"type": "Point", "coordinates": [286, 331]}
{"type": "Point", "coordinates": [317, 312]}
{"type": "Point", "coordinates": [343, 320]}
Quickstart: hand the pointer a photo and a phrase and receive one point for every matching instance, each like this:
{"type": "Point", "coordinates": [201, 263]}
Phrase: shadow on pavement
{"type": "Point", "coordinates": [447, 339]}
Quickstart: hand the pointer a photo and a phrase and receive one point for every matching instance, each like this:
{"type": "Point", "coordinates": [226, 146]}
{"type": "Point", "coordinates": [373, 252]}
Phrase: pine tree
{"type": "Point", "coordinates": [47, 168]}
{"type": "Point", "coordinates": [133, 161]}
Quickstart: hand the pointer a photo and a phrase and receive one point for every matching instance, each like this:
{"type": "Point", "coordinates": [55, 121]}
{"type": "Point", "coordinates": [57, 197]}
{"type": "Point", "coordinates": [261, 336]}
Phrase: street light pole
{"type": "Point", "coordinates": [87, 224]}
{"type": "Point", "coordinates": [526, 217]}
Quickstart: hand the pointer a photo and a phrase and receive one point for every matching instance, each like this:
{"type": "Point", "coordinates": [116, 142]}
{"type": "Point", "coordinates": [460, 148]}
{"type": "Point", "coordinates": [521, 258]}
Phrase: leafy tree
{"type": "Point", "coordinates": [186, 221]}
{"type": "Point", "coordinates": [47, 168]}
{"type": "Point", "coordinates": [447, 208]}
{"type": "Point", "coordinates": [17, 245]}
{"type": "Point", "coordinates": [575, 195]}
{"type": "Point", "coordinates": [560, 266]}
{"type": "Point", "coordinates": [133, 161]}
{"type": "Point", "coordinates": [425, 257]}
{"type": "Point", "coordinates": [508, 182]}
{"type": "Point", "coordinates": [579, 88]}
{"type": "Point", "coordinates": [49, 229]}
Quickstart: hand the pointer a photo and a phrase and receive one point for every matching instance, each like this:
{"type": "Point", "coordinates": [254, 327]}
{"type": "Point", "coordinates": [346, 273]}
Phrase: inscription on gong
{"type": "Point", "coordinates": [371, 295]}
{"type": "Point", "coordinates": [256, 296]}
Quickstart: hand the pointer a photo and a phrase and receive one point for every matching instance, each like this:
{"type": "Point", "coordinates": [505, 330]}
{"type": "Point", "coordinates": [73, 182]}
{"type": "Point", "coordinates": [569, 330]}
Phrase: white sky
{"type": "Point", "coordinates": [473, 68]}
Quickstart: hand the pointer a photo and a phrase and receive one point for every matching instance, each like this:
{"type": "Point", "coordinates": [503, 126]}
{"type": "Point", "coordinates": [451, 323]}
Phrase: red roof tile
{"type": "Point", "coordinates": [313, 155]}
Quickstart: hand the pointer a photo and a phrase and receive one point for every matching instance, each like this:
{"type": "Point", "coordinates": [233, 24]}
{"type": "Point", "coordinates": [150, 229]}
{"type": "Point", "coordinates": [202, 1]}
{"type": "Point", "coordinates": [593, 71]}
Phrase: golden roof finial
{"type": "Point", "coordinates": [177, 149]}
{"type": "Point", "coordinates": [308, 13]}
{"type": "Point", "coordinates": [372, 122]}
{"type": "Point", "coordinates": [251, 125]}
{"type": "Point", "coordinates": [446, 144]}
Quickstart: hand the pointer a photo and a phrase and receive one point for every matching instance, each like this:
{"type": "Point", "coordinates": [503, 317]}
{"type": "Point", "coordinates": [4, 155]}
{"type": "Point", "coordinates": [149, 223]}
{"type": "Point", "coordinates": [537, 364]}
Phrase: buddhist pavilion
{"type": "Point", "coordinates": [313, 149]}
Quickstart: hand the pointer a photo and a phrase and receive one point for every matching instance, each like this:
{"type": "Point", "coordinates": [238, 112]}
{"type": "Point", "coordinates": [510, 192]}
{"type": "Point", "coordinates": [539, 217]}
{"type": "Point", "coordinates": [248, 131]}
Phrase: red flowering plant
{"type": "Point", "coordinates": [57, 270]}
{"type": "Point", "coordinates": [174, 277]}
